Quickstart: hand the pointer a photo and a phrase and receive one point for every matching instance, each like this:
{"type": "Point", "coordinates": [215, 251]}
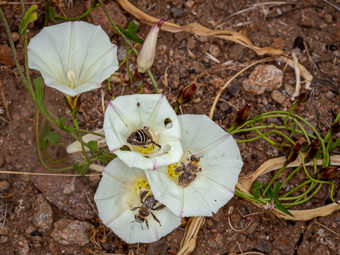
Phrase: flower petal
{"type": "Point", "coordinates": [127, 114]}
{"type": "Point", "coordinates": [220, 163]}
{"type": "Point", "coordinates": [115, 197]}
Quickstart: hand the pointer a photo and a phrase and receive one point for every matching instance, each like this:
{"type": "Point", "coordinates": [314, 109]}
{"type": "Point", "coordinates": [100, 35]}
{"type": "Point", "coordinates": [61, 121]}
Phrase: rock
{"type": "Point", "coordinates": [3, 239]}
{"type": "Point", "coordinates": [98, 17]}
{"type": "Point", "coordinates": [322, 249]}
{"type": "Point", "coordinates": [2, 161]}
{"type": "Point", "coordinates": [4, 186]}
{"type": "Point", "coordinates": [56, 191]}
{"type": "Point", "coordinates": [176, 12]}
{"type": "Point", "coordinates": [263, 78]}
{"type": "Point", "coordinates": [214, 50]}
{"type": "Point", "coordinates": [22, 248]}
{"type": "Point", "coordinates": [6, 57]}
{"type": "Point", "coordinates": [328, 18]}
{"type": "Point", "coordinates": [43, 215]}
{"type": "Point", "coordinates": [337, 36]}
{"type": "Point", "coordinates": [15, 36]}
{"type": "Point", "coordinates": [278, 97]}
{"type": "Point", "coordinates": [191, 44]}
{"type": "Point", "coordinates": [68, 232]}
{"type": "Point", "coordinates": [189, 4]}
{"type": "Point", "coordinates": [159, 247]}
{"type": "Point", "coordinates": [264, 246]}
{"type": "Point", "coordinates": [289, 89]}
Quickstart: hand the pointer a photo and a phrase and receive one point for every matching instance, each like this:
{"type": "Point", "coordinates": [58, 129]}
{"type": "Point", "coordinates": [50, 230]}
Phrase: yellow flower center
{"type": "Point", "coordinates": [142, 185]}
{"type": "Point", "coordinates": [143, 150]}
{"type": "Point", "coordinates": [171, 171]}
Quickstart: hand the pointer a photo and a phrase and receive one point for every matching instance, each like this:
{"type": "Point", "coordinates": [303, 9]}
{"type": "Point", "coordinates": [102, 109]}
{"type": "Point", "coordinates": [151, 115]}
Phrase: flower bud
{"type": "Point", "coordinates": [328, 173]}
{"type": "Point", "coordinates": [293, 152]}
{"type": "Point", "coordinates": [147, 53]}
{"type": "Point", "coordinates": [242, 115]}
{"type": "Point", "coordinates": [335, 128]}
{"type": "Point", "coordinates": [303, 97]}
{"type": "Point", "coordinates": [312, 150]}
{"type": "Point", "coordinates": [186, 94]}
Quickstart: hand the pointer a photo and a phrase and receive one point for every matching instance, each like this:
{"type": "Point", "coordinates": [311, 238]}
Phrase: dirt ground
{"type": "Point", "coordinates": [39, 214]}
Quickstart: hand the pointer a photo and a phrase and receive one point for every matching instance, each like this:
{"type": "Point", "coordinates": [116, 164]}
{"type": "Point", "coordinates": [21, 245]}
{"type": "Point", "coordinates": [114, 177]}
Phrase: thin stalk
{"type": "Point", "coordinates": [304, 200]}
{"type": "Point", "coordinates": [273, 179]}
{"type": "Point", "coordinates": [37, 115]}
{"type": "Point", "coordinates": [76, 125]}
{"type": "Point", "coordinates": [93, 5]}
{"type": "Point", "coordinates": [154, 83]}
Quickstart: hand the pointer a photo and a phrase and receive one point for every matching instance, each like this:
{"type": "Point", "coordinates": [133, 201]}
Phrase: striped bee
{"type": "Point", "coordinates": [148, 204]}
{"type": "Point", "coordinates": [142, 137]}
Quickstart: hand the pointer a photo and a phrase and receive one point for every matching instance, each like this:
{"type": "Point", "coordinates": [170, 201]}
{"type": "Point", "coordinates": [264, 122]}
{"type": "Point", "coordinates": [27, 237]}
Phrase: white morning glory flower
{"type": "Point", "coordinates": [204, 179]}
{"type": "Point", "coordinates": [73, 57]}
{"type": "Point", "coordinates": [119, 198]}
{"type": "Point", "coordinates": [148, 126]}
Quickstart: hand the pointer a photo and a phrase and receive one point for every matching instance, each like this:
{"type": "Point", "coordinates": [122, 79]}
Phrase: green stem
{"type": "Point", "coordinates": [154, 83]}
{"type": "Point", "coordinates": [37, 115]}
{"type": "Point", "coordinates": [273, 179]}
{"type": "Point", "coordinates": [76, 125]}
{"type": "Point", "coordinates": [290, 176]}
{"type": "Point", "coordinates": [93, 5]}
{"type": "Point", "coordinates": [304, 200]}
{"type": "Point", "coordinates": [285, 196]}
{"type": "Point", "coordinates": [89, 132]}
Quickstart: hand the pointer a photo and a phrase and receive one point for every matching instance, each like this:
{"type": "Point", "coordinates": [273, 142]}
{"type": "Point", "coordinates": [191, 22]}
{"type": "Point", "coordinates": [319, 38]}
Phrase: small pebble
{"type": "Point", "coordinates": [4, 186]}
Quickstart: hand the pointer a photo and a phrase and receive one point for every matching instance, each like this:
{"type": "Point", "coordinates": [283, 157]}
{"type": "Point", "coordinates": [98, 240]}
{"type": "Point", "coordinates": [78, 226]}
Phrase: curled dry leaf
{"type": "Point", "coordinates": [246, 182]}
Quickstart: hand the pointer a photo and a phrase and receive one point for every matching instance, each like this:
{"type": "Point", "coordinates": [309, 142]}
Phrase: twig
{"type": "Point", "coordinates": [4, 221]}
{"type": "Point", "coordinates": [4, 100]}
{"type": "Point", "coordinates": [230, 211]}
{"type": "Point", "coordinates": [43, 174]}
{"type": "Point", "coordinates": [330, 230]}
{"type": "Point", "coordinates": [333, 5]}
{"type": "Point", "coordinates": [219, 93]}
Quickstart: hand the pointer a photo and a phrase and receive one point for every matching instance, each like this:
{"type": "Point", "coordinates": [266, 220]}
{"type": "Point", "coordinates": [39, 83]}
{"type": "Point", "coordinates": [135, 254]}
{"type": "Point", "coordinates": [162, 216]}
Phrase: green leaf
{"type": "Point", "coordinates": [81, 168]}
{"type": "Point", "coordinates": [131, 32]}
{"type": "Point", "coordinates": [62, 121]}
{"type": "Point", "coordinates": [39, 93]}
{"type": "Point", "coordinates": [334, 145]}
{"type": "Point", "coordinates": [42, 141]}
{"type": "Point", "coordinates": [51, 13]}
{"type": "Point", "coordinates": [30, 16]}
{"type": "Point", "coordinates": [273, 194]}
{"type": "Point", "coordinates": [256, 189]}
{"type": "Point", "coordinates": [102, 159]}
{"type": "Point", "coordinates": [92, 146]}
{"type": "Point", "coordinates": [53, 137]}
{"type": "Point", "coordinates": [132, 27]}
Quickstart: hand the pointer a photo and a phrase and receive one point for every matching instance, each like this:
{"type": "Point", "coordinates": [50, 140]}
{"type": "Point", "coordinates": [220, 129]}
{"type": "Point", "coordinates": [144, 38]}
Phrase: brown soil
{"type": "Point", "coordinates": [248, 228]}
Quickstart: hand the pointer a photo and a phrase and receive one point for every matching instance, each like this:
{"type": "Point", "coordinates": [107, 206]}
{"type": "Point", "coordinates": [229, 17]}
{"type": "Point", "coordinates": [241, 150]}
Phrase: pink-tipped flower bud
{"type": "Point", "coordinates": [148, 51]}
{"type": "Point", "coordinates": [186, 94]}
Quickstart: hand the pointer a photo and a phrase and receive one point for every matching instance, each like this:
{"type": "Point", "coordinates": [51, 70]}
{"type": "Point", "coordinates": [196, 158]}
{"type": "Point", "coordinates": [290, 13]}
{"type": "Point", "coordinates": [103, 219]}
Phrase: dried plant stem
{"type": "Point", "coordinates": [219, 93]}
{"type": "Point", "coordinates": [44, 174]}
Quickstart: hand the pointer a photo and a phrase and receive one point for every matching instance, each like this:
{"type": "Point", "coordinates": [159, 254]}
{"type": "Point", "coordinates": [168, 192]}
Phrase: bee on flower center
{"type": "Point", "coordinates": [148, 204]}
{"type": "Point", "coordinates": [142, 137]}
{"type": "Point", "coordinates": [188, 170]}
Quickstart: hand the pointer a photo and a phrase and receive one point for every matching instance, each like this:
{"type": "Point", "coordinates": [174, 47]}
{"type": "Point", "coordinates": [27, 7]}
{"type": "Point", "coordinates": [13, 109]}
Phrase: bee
{"type": "Point", "coordinates": [142, 137]}
{"type": "Point", "coordinates": [149, 204]}
{"type": "Point", "coordinates": [188, 170]}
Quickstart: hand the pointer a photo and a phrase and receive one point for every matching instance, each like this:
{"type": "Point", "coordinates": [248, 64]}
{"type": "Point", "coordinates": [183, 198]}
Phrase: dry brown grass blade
{"type": "Point", "coordinates": [245, 183]}
{"type": "Point", "coordinates": [192, 228]}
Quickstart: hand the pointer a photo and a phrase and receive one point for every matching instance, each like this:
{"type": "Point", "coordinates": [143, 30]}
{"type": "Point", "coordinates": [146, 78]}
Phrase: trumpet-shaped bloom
{"type": "Point", "coordinates": [118, 199]}
{"type": "Point", "coordinates": [73, 57]}
{"type": "Point", "coordinates": [206, 178]}
{"type": "Point", "coordinates": [147, 54]}
{"type": "Point", "coordinates": [151, 124]}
